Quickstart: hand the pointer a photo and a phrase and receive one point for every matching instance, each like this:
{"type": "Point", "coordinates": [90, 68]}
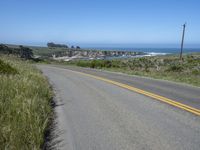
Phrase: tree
{"type": "Point", "coordinates": [25, 52]}
{"type": "Point", "coordinates": [8, 50]}
{"type": "Point", "coordinates": [72, 47]}
{"type": "Point", "coordinates": [78, 47]}
{"type": "Point", "coordinates": [4, 49]}
{"type": "Point", "coordinates": [51, 44]}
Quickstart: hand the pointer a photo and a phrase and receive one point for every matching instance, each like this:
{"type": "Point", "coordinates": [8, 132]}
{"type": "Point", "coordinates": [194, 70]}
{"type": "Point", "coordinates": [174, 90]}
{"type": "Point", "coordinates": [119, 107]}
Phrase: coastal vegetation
{"type": "Point", "coordinates": [5, 68]}
{"type": "Point", "coordinates": [167, 67]}
{"type": "Point", "coordinates": [25, 104]}
{"type": "Point", "coordinates": [42, 52]}
{"type": "Point", "coordinates": [20, 51]}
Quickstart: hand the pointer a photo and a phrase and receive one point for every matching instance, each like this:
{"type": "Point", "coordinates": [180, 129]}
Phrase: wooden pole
{"type": "Point", "coordinates": [182, 42]}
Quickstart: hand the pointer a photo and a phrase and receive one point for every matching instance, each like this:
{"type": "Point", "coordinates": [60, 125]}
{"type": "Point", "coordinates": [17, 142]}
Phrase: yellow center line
{"type": "Point", "coordinates": [149, 94]}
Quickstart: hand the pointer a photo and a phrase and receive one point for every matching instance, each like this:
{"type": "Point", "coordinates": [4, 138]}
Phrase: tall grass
{"type": "Point", "coordinates": [6, 68]}
{"type": "Point", "coordinates": [24, 106]}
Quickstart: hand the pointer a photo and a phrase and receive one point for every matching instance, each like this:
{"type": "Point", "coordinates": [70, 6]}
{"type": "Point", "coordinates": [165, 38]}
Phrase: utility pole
{"type": "Point", "coordinates": [182, 42]}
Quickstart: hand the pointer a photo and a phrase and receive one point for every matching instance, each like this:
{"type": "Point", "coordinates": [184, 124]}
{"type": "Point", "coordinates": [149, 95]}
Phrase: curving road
{"type": "Point", "coordinates": [95, 115]}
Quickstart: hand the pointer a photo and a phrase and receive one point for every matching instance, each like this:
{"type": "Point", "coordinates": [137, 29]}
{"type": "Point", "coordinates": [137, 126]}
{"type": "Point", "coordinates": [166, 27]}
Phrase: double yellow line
{"type": "Point", "coordinates": [149, 94]}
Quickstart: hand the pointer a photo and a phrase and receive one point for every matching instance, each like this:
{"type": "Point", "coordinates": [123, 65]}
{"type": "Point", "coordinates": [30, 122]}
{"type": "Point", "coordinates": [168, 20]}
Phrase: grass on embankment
{"type": "Point", "coordinates": [6, 68]}
{"type": "Point", "coordinates": [159, 67]}
{"type": "Point", "coordinates": [25, 98]}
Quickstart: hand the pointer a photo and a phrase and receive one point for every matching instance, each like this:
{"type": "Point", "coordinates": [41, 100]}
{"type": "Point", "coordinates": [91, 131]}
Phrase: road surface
{"type": "Point", "coordinates": [183, 93]}
{"type": "Point", "coordinates": [96, 115]}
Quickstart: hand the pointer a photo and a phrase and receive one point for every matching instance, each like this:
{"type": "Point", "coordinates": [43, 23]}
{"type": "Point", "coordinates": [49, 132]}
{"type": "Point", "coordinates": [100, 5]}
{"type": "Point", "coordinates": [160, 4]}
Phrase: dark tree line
{"type": "Point", "coordinates": [7, 50]}
{"type": "Point", "coordinates": [53, 45]}
{"type": "Point", "coordinates": [77, 47]}
{"type": "Point", "coordinates": [23, 52]}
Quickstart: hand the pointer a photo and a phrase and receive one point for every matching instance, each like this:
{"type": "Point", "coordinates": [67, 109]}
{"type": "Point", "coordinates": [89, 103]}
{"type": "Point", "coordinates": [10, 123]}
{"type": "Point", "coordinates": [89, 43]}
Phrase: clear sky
{"type": "Point", "coordinates": [134, 23]}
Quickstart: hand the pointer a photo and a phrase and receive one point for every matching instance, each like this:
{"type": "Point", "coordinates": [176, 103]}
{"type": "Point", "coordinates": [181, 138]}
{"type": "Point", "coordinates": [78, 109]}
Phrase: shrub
{"type": "Point", "coordinates": [175, 68]}
{"type": "Point", "coordinates": [113, 63]}
{"type": "Point", "coordinates": [196, 71]}
{"type": "Point", "coordinates": [83, 63]}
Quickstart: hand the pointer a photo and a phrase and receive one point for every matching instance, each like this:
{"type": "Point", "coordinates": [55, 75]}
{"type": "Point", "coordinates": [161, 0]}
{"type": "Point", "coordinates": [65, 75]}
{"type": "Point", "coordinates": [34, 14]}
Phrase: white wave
{"type": "Point", "coordinates": [155, 54]}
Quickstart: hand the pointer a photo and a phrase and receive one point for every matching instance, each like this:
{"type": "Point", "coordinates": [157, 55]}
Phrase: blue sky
{"type": "Point", "coordinates": [132, 23]}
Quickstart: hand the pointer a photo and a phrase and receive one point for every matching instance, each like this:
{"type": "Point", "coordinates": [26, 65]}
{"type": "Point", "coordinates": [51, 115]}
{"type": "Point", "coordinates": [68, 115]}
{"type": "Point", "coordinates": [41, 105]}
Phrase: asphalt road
{"type": "Point", "coordinates": [95, 115]}
{"type": "Point", "coordinates": [182, 93]}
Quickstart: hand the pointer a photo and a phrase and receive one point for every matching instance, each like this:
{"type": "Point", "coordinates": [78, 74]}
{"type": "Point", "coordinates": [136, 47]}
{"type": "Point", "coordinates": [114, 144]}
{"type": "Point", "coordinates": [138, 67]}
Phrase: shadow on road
{"type": "Point", "coordinates": [53, 134]}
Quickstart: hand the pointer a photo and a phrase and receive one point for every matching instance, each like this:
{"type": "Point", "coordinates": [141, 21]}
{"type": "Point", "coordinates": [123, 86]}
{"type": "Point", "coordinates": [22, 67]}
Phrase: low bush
{"type": "Point", "coordinates": [175, 68]}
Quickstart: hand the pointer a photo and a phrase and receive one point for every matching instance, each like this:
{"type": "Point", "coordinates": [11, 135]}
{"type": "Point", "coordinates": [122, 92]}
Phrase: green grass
{"type": "Point", "coordinates": [48, 52]}
{"type": "Point", "coordinates": [159, 67]}
{"type": "Point", "coordinates": [44, 52]}
{"type": "Point", "coordinates": [25, 107]}
{"type": "Point", "coordinates": [6, 68]}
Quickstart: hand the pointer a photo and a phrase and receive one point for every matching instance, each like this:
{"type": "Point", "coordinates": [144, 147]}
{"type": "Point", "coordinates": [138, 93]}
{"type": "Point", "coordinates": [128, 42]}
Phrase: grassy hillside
{"type": "Point", "coordinates": [160, 67]}
{"type": "Point", "coordinates": [25, 98]}
{"type": "Point", "coordinates": [5, 68]}
{"type": "Point", "coordinates": [45, 52]}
